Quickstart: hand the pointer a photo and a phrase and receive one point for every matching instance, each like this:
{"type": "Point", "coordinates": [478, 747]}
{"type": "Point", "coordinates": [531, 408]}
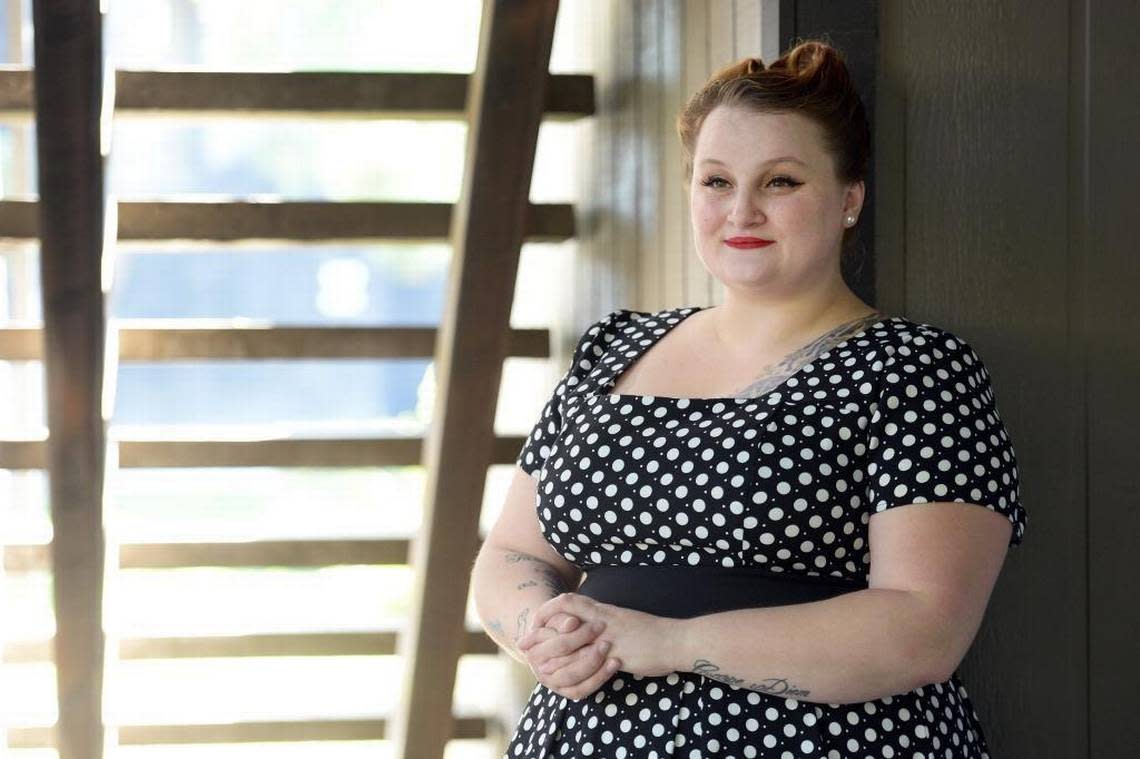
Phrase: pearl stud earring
{"type": "Point", "coordinates": [850, 220]}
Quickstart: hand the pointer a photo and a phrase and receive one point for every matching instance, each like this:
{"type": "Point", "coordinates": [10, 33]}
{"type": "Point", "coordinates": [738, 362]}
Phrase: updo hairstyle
{"type": "Point", "coordinates": [812, 80]}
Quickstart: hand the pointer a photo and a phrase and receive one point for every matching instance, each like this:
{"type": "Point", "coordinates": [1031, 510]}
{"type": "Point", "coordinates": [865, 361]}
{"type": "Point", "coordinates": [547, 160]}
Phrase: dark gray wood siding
{"type": "Point", "coordinates": [1007, 142]}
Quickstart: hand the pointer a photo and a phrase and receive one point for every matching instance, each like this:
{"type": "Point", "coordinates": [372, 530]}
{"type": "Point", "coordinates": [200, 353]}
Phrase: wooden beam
{"type": "Point", "coordinates": [170, 223]}
{"type": "Point", "coordinates": [22, 454]}
{"type": "Point", "coordinates": [17, 91]}
{"type": "Point", "coordinates": [505, 107]}
{"type": "Point", "coordinates": [68, 108]}
{"type": "Point", "coordinates": [162, 454]}
{"type": "Point", "coordinates": [382, 643]}
{"type": "Point", "coordinates": [165, 454]}
{"type": "Point", "coordinates": [313, 221]}
{"type": "Point", "coordinates": [19, 219]}
{"type": "Point", "coordinates": [339, 94]}
{"type": "Point", "coordinates": [264, 553]}
{"type": "Point", "coordinates": [249, 732]}
{"type": "Point", "coordinates": [152, 340]}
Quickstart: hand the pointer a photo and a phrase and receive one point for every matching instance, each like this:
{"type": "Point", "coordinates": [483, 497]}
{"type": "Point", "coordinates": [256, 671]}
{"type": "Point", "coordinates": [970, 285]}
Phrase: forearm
{"type": "Point", "coordinates": [856, 647]}
{"type": "Point", "coordinates": [508, 586]}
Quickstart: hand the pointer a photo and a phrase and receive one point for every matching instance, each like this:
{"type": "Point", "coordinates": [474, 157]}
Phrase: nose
{"type": "Point", "coordinates": [745, 210]}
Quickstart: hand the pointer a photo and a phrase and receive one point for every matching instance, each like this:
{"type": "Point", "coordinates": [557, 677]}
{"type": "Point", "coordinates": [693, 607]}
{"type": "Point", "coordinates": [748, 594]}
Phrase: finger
{"type": "Point", "coordinates": [578, 666]}
{"type": "Point", "coordinates": [535, 636]}
{"type": "Point", "coordinates": [563, 622]}
{"type": "Point", "coordinates": [592, 683]}
{"type": "Point", "coordinates": [560, 622]}
{"type": "Point", "coordinates": [568, 603]}
{"type": "Point", "coordinates": [565, 643]}
{"type": "Point", "coordinates": [554, 663]}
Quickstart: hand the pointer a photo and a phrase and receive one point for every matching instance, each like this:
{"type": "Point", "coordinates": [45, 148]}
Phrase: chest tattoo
{"type": "Point", "coordinates": [774, 375]}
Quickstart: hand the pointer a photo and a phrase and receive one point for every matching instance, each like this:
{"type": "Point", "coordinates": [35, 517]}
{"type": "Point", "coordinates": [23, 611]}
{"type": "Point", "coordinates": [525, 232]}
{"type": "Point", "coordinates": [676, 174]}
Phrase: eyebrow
{"type": "Point", "coordinates": [789, 158]}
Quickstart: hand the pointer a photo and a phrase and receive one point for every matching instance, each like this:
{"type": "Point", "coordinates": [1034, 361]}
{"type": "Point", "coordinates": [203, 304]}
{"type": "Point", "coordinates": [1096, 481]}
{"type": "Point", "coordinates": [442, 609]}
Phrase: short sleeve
{"type": "Point", "coordinates": [591, 345]}
{"type": "Point", "coordinates": [936, 434]}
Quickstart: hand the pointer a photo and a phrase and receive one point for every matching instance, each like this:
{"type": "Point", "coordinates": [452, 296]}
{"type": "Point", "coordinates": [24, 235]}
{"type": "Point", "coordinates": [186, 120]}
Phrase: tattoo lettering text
{"type": "Point", "coordinates": [776, 686]}
{"type": "Point", "coordinates": [521, 624]}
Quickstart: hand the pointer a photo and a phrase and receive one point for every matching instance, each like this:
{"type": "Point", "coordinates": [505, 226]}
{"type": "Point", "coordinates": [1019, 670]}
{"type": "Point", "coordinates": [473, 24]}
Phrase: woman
{"type": "Point", "coordinates": [728, 480]}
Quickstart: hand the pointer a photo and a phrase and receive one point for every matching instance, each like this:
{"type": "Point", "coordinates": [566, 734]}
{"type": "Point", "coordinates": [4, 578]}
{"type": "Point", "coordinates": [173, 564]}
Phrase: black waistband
{"type": "Point", "coordinates": [682, 592]}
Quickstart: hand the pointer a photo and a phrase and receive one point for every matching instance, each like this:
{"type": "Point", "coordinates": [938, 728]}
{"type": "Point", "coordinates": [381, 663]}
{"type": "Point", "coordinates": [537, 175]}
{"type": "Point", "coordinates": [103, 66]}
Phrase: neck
{"type": "Point", "coordinates": [750, 326]}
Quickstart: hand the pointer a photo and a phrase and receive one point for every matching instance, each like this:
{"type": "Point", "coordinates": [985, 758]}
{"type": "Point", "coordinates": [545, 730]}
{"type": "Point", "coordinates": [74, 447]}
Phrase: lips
{"type": "Point", "coordinates": [747, 242]}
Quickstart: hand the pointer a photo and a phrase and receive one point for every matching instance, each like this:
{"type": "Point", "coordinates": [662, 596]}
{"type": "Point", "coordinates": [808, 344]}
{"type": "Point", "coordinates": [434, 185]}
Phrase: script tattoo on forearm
{"type": "Point", "coordinates": [527, 584]}
{"type": "Point", "coordinates": [776, 686]}
{"type": "Point", "coordinates": [548, 574]}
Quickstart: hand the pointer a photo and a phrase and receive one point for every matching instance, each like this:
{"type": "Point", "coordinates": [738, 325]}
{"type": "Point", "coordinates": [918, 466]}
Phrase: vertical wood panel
{"type": "Point", "coordinates": [769, 30]}
{"type": "Point", "coordinates": [697, 36]}
{"type": "Point", "coordinates": [977, 103]}
{"type": "Point", "coordinates": [890, 167]}
{"type": "Point", "coordinates": [648, 247]}
{"type": "Point", "coordinates": [598, 245]}
{"type": "Point", "coordinates": [721, 51]}
{"type": "Point", "coordinates": [69, 97]}
{"type": "Point", "coordinates": [505, 105]}
{"type": "Point", "coordinates": [673, 214]}
{"type": "Point", "coordinates": [747, 23]}
{"type": "Point", "coordinates": [1111, 332]}
{"type": "Point", "coordinates": [625, 167]}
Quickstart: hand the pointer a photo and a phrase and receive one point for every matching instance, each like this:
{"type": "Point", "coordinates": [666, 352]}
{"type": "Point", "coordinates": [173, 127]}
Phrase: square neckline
{"type": "Point", "coordinates": [684, 313]}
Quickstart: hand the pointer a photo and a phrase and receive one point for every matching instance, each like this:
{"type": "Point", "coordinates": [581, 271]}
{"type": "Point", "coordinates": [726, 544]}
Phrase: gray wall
{"type": "Point", "coordinates": [1007, 141]}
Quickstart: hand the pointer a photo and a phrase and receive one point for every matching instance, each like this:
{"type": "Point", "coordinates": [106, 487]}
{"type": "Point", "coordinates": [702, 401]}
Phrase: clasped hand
{"type": "Point", "coordinates": [575, 644]}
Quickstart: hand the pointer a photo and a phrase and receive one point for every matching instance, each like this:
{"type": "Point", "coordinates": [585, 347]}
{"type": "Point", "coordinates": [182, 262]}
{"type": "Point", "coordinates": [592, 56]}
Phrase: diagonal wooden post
{"type": "Point", "coordinates": [69, 98]}
{"type": "Point", "coordinates": [505, 107]}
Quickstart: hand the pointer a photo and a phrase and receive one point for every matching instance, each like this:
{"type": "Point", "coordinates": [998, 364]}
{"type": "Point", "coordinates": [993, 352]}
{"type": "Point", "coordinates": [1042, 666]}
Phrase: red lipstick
{"type": "Point", "coordinates": [747, 242]}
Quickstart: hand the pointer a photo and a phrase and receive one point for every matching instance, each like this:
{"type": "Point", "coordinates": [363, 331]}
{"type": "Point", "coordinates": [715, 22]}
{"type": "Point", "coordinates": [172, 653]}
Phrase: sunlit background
{"type": "Point", "coordinates": [314, 285]}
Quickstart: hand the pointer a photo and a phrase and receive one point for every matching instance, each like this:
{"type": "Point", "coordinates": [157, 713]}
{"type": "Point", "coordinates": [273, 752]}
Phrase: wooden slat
{"type": "Point", "coordinates": [170, 223]}
{"type": "Point", "coordinates": [199, 339]}
{"type": "Point", "coordinates": [19, 219]}
{"type": "Point", "coordinates": [267, 553]}
{"type": "Point", "coordinates": [359, 95]}
{"type": "Point", "coordinates": [160, 454]}
{"type": "Point", "coordinates": [250, 732]}
{"type": "Point", "coordinates": [505, 110]}
{"type": "Point", "coordinates": [230, 94]}
{"type": "Point", "coordinates": [17, 90]}
{"type": "Point", "coordinates": [68, 111]}
{"type": "Point", "coordinates": [22, 454]}
{"type": "Point", "coordinates": [313, 221]}
{"type": "Point", "coordinates": [420, 96]}
{"type": "Point", "coordinates": [286, 644]}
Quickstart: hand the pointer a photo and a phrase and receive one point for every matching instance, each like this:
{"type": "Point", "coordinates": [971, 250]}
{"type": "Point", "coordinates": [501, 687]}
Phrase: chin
{"type": "Point", "coordinates": [756, 271]}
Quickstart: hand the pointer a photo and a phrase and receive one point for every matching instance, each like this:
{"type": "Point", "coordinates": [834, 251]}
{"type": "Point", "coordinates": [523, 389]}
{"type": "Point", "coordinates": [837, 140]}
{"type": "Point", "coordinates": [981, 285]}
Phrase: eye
{"type": "Point", "coordinates": [787, 181]}
{"type": "Point", "coordinates": [713, 181]}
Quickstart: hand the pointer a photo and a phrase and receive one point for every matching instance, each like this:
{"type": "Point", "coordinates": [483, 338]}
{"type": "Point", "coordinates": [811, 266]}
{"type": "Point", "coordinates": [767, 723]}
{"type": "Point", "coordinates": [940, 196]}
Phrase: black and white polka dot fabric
{"type": "Point", "coordinates": [900, 413]}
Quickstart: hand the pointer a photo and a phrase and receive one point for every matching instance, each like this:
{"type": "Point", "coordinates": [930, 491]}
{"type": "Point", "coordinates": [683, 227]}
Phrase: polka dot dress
{"type": "Point", "coordinates": [899, 413]}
